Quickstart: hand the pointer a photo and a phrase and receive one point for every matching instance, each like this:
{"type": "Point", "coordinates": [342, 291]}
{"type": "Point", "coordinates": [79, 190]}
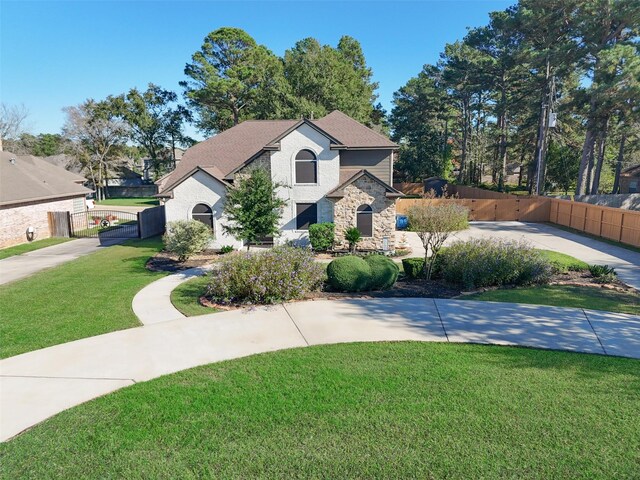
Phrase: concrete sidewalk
{"type": "Point", "coordinates": [540, 235]}
{"type": "Point", "coordinates": [37, 385]}
{"type": "Point", "coordinates": [21, 266]}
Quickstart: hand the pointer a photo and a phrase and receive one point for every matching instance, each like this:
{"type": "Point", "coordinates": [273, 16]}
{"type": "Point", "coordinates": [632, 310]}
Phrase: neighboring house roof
{"type": "Point", "coordinates": [633, 171]}
{"type": "Point", "coordinates": [25, 178]}
{"type": "Point", "coordinates": [233, 148]}
{"type": "Point", "coordinates": [348, 176]}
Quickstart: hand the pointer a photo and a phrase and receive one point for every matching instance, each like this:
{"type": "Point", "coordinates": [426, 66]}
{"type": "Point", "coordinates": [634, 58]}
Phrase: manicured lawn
{"type": "Point", "coordinates": [185, 297]}
{"type": "Point", "coordinates": [81, 298]}
{"type": "Point", "coordinates": [386, 410]}
{"type": "Point", "coordinates": [594, 298]}
{"type": "Point", "coordinates": [132, 202]}
{"type": "Point", "coordinates": [564, 262]}
{"type": "Point", "coordinates": [30, 247]}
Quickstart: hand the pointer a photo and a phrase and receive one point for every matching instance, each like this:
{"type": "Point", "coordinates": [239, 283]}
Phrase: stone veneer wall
{"type": "Point", "coordinates": [263, 161]}
{"type": "Point", "coordinates": [15, 219]}
{"type": "Point", "coordinates": [366, 191]}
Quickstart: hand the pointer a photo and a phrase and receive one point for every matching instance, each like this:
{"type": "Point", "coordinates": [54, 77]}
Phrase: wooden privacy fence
{"type": "Point", "coordinates": [59, 224]}
{"type": "Point", "coordinates": [611, 223]}
{"type": "Point", "coordinates": [410, 188]}
{"type": "Point", "coordinates": [522, 209]}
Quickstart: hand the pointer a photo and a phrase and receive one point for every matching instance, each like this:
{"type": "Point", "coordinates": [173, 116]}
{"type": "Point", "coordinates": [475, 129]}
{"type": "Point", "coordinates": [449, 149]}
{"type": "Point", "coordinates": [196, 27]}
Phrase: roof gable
{"type": "Point", "coordinates": [349, 176]}
{"type": "Point", "coordinates": [351, 133]}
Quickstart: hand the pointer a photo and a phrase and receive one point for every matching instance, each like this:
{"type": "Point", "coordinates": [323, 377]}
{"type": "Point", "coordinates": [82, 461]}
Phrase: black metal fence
{"type": "Point", "coordinates": [104, 224]}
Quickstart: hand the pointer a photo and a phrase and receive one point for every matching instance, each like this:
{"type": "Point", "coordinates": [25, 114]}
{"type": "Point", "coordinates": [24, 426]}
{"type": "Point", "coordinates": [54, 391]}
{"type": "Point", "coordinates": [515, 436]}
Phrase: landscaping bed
{"type": "Point", "coordinates": [365, 410]}
{"type": "Point", "coordinates": [164, 261]}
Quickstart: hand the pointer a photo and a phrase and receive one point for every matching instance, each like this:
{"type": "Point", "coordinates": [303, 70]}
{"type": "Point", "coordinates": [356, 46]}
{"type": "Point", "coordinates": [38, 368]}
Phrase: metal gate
{"type": "Point", "coordinates": [104, 224]}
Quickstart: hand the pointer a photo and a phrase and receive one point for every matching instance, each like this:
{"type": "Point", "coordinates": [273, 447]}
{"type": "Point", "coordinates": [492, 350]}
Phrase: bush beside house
{"type": "Point", "coordinates": [186, 238]}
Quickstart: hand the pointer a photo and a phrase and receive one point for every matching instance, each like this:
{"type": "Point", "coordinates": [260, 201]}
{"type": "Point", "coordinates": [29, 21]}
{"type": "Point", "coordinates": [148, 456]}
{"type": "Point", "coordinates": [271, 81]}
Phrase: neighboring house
{"type": "Point", "coordinates": [630, 180]}
{"type": "Point", "coordinates": [334, 170]}
{"type": "Point", "coordinates": [29, 188]}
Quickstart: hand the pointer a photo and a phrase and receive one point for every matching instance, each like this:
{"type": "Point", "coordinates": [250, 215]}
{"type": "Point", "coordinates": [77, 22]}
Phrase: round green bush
{"type": "Point", "coordinates": [384, 272]}
{"type": "Point", "coordinates": [349, 274]}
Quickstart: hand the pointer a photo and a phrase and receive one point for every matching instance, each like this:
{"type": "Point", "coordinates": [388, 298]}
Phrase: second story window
{"type": "Point", "coordinates": [306, 167]}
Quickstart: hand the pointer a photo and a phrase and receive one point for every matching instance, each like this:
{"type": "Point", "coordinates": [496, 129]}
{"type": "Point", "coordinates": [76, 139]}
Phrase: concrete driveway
{"type": "Point", "coordinates": [21, 266]}
{"type": "Point", "coordinates": [39, 384]}
{"type": "Point", "coordinates": [540, 235]}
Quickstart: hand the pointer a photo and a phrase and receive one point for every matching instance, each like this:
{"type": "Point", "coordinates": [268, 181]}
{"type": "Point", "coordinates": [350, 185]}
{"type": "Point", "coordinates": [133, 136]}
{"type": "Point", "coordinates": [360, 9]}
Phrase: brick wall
{"type": "Point", "coordinates": [14, 220]}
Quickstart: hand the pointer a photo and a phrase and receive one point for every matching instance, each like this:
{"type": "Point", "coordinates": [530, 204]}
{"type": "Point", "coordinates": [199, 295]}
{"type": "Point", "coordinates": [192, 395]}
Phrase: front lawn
{"type": "Point", "coordinates": [87, 296]}
{"type": "Point", "coordinates": [129, 201]}
{"type": "Point", "coordinates": [594, 298]}
{"type": "Point", "coordinates": [30, 247]}
{"type": "Point", "coordinates": [563, 262]}
{"type": "Point", "coordinates": [186, 297]}
{"type": "Point", "coordinates": [385, 410]}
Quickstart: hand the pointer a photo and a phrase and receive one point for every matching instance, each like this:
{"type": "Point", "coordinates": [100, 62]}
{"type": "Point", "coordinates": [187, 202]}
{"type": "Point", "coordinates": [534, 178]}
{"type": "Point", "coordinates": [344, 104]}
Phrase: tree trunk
{"type": "Point", "coordinates": [616, 180]}
{"type": "Point", "coordinates": [543, 131]}
{"type": "Point", "coordinates": [602, 139]}
{"type": "Point", "coordinates": [584, 170]}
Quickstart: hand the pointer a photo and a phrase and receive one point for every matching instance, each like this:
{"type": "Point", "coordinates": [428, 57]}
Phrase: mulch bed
{"type": "Point", "coordinates": [168, 262]}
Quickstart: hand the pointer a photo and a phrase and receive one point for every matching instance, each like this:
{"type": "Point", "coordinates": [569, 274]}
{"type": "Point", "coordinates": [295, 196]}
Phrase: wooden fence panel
{"type": "Point", "coordinates": [611, 223]}
{"type": "Point", "coordinates": [59, 224]}
{"type": "Point", "coordinates": [409, 188]}
{"type": "Point", "coordinates": [464, 191]}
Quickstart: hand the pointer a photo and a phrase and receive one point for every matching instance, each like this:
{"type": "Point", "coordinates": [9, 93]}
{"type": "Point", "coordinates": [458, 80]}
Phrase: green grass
{"type": "Point", "coordinates": [563, 262]}
{"type": "Point", "coordinates": [87, 296]}
{"type": "Point", "coordinates": [186, 297]}
{"type": "Point", "coordinates": [594, 298]}
{"type": "Point", "coordinates": [30, 247]}
{"type": "Point", "coordinates": [594, 237]}
{"type": "Point", "coordinates": [386, 410]}
{"type": "Point", "coordinates": [129, 201]}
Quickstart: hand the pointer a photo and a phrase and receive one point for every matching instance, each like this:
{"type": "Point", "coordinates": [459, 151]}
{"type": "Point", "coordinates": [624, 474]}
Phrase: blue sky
{"type": "Point", "coordinates": [54, 54]}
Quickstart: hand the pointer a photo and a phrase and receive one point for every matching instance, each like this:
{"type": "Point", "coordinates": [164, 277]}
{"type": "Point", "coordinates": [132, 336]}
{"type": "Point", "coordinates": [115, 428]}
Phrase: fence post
{"type": "Point", "coordinates": [621, 226]}
{"type": "Point", "coordinates": [601, 220]}
{"type": "Point", "coordinates": [139, 218]}
{"type": "Point", "coordinates": [69, 232]}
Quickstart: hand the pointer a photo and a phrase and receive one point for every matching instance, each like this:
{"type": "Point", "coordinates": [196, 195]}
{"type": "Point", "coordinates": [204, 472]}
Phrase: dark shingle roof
{"type": "Point", "coordinates": [229, 150]}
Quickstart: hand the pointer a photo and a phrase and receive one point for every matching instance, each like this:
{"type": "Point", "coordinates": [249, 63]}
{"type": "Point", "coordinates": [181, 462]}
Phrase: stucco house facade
{"type": "Point", "coordinates": [333, 169]}
{"type": "Point", "coordinates": [29, 188]}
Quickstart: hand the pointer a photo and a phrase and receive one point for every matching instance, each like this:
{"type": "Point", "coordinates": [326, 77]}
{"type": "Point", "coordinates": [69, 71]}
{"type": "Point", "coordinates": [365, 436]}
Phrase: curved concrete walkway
{"type": "Point", "coordinates": [39, 384]}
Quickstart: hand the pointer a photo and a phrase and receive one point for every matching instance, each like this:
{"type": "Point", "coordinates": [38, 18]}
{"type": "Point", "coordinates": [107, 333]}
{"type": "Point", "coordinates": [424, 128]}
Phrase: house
{"type": "Point", "coordinates": [29, 188]}
{"type": "Point", "coordinates": [333, 169]}
{"type": "Point", "coordinates": [630, 180]}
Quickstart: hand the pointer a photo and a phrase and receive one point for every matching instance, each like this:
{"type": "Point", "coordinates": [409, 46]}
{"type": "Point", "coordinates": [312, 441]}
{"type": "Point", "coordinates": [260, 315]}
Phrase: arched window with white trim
{"type": "Point", "coordinates": [306, 167]}
{"type": "Point", "coordinates": [364, 220]}
{"type": "Point", "coordinates": [203, 213]}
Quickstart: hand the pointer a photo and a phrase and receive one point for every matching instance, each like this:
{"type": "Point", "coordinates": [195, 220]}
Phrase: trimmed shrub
{"type": "Point", "coordinates": [226, 249]}
{"type": "Point", "coordinates": [413, 267]}
{"type": "Point", "coordinates": [322, 236]}
{"type": "Point", "coordinates": [384, 272]}
{"type": "Point", "coordinates": [349, 274]}
{"type": "Point", "coordinates": [186, 238]}
{"type": "Point", "coordinates": [486, 262]}
{"type": "Point", "coordinates": [280, 274]}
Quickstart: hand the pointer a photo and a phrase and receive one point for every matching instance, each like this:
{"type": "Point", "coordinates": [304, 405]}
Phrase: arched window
{"type": "Point", "coordinates": [204, 214]}
{"type": "Point", "coordinates": [364, 220]}
{"type": "Point", "coordinates": [306, 167]}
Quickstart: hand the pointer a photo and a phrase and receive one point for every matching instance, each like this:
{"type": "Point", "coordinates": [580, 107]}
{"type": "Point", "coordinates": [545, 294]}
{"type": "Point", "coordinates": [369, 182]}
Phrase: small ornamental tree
{"type": "Point", "coordinates": [434, 222]}
{"type": "Point", "coordinates": [352, 236]}
{"type": "Point", "coordinates": [253, 207]}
